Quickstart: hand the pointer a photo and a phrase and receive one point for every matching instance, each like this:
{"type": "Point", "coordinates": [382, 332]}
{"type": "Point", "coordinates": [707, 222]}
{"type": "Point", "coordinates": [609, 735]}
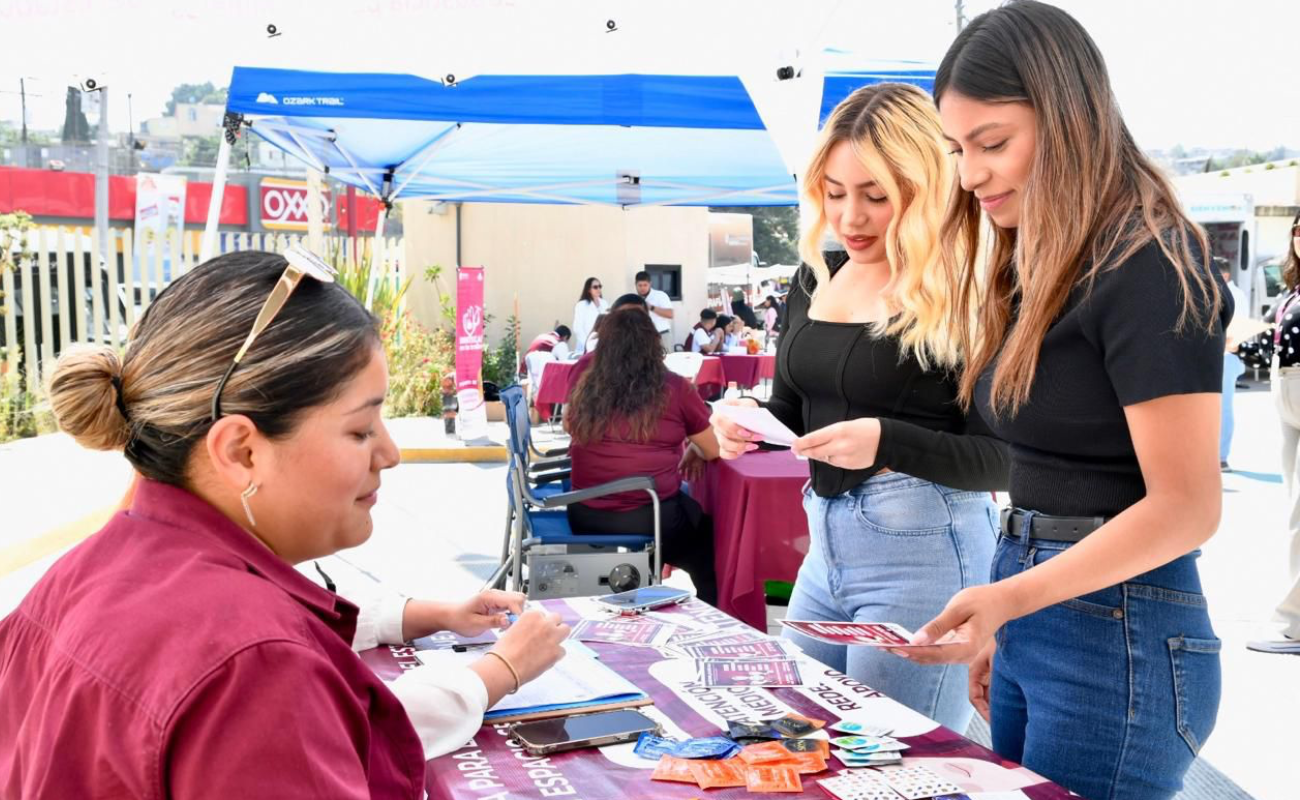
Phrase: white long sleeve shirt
{"type": "Point", "coordinates": [445, 705]}
{"type": "Point", "coordinates": [585, 314]}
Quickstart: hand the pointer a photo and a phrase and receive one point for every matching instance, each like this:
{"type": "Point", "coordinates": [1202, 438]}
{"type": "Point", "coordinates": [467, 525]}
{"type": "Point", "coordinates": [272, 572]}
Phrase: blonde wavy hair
{"type": "Point", "coordinates": [893, 130]}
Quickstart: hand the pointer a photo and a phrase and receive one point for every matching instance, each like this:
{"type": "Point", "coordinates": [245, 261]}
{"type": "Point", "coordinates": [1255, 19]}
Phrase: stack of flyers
{"type": "Point", "coordinates": [861, 634]}
{"type": "Point", "coordinates": [770, 648]}
{"type": "Point", "coordinates": [770, 672]}
{"type": "Point", "coordinates": [633, 631]}
{"type": "Point", "coordinates": [716, 637]}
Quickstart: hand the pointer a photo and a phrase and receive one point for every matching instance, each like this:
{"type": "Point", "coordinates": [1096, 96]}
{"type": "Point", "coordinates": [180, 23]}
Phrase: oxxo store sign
{"type": "Point", "coordinates": [284, 205]}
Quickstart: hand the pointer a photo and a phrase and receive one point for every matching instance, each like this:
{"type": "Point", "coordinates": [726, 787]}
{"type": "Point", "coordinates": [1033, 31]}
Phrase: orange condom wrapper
{"type": "Point", "coordinates": [713, 774]}
{"type": "Point", "coordinates": [768, 778]}
{"type": "Point", "coordinates": [673, 769]}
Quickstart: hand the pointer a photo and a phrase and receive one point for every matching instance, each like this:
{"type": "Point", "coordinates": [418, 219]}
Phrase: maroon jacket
{"type": "Point", "coordinates": [173, 655]}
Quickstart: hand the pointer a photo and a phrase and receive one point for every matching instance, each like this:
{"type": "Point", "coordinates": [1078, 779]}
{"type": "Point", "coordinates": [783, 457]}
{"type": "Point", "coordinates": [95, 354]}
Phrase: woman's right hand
{"type": "Point", "coordinates": [532, 644]}
{"type": "Point", "coordinates": [733, 440]}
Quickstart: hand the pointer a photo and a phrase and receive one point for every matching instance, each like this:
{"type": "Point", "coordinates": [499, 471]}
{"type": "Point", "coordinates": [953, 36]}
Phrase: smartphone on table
{"type": "Point", "coordinates": [644, 599]}
{"type": "Point", "coordinates": [544, 736]}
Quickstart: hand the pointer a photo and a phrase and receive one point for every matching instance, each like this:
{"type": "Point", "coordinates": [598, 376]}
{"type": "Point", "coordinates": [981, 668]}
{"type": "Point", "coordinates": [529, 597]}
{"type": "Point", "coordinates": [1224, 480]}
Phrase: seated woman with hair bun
{"type": "Point", "coordinates": [178, 652]}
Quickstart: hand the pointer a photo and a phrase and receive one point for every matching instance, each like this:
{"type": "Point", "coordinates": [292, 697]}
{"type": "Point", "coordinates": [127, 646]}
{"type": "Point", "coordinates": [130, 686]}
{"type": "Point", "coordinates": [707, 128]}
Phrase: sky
{"type": "Point", "coordinates": [1192, 72]}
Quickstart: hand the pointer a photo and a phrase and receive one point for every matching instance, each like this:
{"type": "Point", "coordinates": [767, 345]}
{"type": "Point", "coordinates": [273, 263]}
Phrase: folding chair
{"type": "Point", "coordinates": [562, 563]}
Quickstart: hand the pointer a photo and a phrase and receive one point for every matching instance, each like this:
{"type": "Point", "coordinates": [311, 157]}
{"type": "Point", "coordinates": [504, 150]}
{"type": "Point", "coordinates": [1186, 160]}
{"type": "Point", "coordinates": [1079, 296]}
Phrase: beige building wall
{"type": "Point", "coordinates": [542, 254]}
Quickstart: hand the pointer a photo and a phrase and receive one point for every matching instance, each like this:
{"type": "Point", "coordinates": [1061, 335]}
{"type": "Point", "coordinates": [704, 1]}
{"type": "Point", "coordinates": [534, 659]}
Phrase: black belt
{"type": "Point", "coordinates": [1055, 529]}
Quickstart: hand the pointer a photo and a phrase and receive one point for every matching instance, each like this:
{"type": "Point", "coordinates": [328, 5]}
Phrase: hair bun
{"type": "Point", "coordinates": [84, 398]}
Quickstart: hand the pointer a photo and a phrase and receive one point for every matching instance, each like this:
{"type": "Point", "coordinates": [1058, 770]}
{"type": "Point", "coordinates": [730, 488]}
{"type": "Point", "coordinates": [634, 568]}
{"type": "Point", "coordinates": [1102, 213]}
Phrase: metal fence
{"type": "Point", "coordinates": [105, 299]}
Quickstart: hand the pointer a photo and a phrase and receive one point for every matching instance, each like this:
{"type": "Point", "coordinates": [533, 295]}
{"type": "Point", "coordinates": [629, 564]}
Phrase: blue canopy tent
{"type": "Point", "coordinates": [624, 140]}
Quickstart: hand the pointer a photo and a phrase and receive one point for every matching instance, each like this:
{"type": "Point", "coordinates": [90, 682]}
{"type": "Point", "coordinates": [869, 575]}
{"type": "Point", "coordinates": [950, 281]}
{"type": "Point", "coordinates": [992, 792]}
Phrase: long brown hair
{"type": "Point", "coordinates": [1092, 199]}
{"type": "Point", "coordinates": [1291, 265]}
{"type": "Point", "coordinates": [626, 381]}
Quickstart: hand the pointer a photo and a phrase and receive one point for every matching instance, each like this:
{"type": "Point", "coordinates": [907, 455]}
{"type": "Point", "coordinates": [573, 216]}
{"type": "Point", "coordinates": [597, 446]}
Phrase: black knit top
{"type": "Point", "coordinates": [1114, 346]}
{"type": "Point", "coordinates": [829, 372]}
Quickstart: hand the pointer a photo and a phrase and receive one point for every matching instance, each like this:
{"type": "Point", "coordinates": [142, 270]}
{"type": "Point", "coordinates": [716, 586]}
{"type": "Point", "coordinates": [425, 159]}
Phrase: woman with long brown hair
{"type": "Point", "coordinates": [1279, 349]}
{"type": "Point", "coordinates": [1097, 356]}
{"type": "Point", "coordinates": [628, 415]}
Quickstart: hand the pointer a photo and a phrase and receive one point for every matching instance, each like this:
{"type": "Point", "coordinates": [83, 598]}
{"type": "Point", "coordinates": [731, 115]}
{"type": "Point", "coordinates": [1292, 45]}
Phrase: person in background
{"type": "Point", "coordinates": [585, 312]}
{"type": "Point", "coordinates": [660, 307]}
{"type": "Point", "coordinates": [741, 309]}
{"type": "Point", "coordinates": [771, 318]}
{"type": "Point", "coordinates": [702, 339]}
{"type": "Point", "coordinates": [899, 507]}
{"type": "Point", "coordinates": [1232, 364]}
{"type": "Point", "coordinates": [555, 342]}
{"type": "Point", "coordinates": [733, 330]}
{"type": "Point", "coordinates": [1280, 349]}
{"type": "Point", "coordinates": [629, 300]}
{"type": "Point", "coordinates": [180, 640]}
{"type": "Point", "coordinates": [1093, 328]}
{"type": "Point", "coordinates": [627, 414]}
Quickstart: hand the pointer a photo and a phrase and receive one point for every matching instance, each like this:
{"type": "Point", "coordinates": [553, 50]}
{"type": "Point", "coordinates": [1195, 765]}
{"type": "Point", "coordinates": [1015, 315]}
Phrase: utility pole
{"type": "Point", "coordinates": [961, 17]}
{"type": "Point", "coordinates": [22, 89]}
{"type": "Point", "coordinates": [101, 185]}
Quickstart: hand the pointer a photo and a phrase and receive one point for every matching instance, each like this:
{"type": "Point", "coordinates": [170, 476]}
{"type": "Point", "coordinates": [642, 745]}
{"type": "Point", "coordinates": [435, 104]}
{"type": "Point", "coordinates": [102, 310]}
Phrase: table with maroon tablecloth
{"type": "Point", "coordinates": [555, 381]}
{"type": "Point", "coordinates": [491, 765]}
{"type": "Point", "coordinates": [747, 370]}
{"type": "Point", "coordinates": [711, 378]}
{"type": "Point", "coordinates": [760, 532]}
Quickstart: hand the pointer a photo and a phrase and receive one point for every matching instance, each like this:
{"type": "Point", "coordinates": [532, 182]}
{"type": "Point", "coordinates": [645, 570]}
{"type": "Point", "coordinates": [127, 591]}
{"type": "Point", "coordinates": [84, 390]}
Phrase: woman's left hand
{"type": "Point", "coordinates": [692, 464]}
{"type": "Point", "coordinates": [483, 611]}
{"type": "Point", "coordinates": [853, 444]}
{"type": "Point", "coordinates": [965, 627]}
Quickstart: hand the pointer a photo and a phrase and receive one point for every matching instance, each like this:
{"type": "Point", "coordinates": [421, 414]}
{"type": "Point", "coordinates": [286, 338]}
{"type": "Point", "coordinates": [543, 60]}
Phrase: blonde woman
{"type": "Point", "coordinates": [898, 506]}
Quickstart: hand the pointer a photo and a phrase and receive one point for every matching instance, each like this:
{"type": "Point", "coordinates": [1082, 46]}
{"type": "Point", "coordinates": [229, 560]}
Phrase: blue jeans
{"type": "Point", "coordinates": [894, 549]}
{"type": "Point", "coordinates": [1232, 369]}
{"type": "Point", "coordinates": [1110, 694]}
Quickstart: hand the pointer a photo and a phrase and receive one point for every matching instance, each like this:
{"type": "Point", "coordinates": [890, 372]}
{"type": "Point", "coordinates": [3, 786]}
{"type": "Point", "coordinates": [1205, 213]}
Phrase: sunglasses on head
{"type": "Point", "coordinates": [302, 262]}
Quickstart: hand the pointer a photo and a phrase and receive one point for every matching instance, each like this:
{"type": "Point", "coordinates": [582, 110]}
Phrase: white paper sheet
{"type": "Point", "coordinates": [577, 678]}
{"type": "Point", "coordinates": [760, 421]}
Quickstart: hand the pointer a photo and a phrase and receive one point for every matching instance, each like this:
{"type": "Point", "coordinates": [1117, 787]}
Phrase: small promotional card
{"type": "Point", "coordinates": [765, 672]}
{"type": "Point", "coordinates": [640, 633]}
{"type": "Point", "coordinates": [859, 634]}
{"type": "Point", "coordinates": [716, 637]}
{"type": "Point", "coordinates": [918, 783]}
{"type": "Point", "coordinates": [857, 787]}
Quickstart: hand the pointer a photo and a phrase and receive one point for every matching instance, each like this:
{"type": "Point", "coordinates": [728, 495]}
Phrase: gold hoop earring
{"type": "Point", "coordinates": [244, 498]}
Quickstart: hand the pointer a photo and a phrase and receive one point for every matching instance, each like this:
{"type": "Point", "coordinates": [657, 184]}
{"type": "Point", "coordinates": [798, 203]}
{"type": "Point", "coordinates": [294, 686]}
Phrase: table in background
{"type": "Point", "coordinates": [711, 379]}
{"type": "Point", "coordinates": [554, 388]}
{"type": "Point", "coordinates": [760, 532]}
{"type": "Point", "coordinates": [490, 767]}
{"type": "Point", "coordinates": [747, 370]}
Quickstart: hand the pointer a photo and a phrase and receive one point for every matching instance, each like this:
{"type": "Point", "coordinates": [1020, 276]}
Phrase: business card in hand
{"type": "Point", "coordinates": [861, 634]}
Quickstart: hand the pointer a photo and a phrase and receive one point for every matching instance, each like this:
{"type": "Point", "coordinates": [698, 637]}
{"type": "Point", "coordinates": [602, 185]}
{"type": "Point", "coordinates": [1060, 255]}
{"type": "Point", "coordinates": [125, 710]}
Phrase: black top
{"type": "Point", "coordinates": [829, 372]}
{"type": "Point", "coordinates": [1281, 340]}
{"type": "Point", "coordinates": [1071, 452]}
{"type": "Point", "coordinates": [741, 309]}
